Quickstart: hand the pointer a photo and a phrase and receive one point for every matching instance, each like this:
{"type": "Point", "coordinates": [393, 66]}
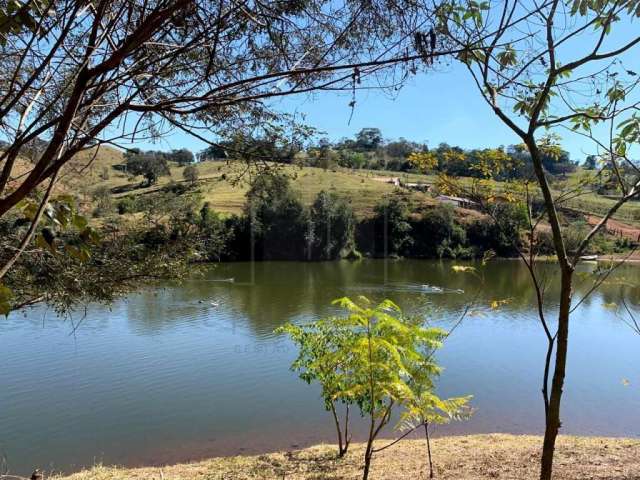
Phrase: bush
{"type": "Point", "coordinates": [437, 234]}
{"type": "Point", "coordinates": [330, 233]}
{"type": "Point", "coordinates": [276, 218]}
{"type": "Point", "coordinates": [176, 188]}
{"type": "Point", "coordinates": [190, 174]}
{"type": "Point", "coordinates": [103, 201]}
{"type": "Point", "coordinates": [390, 231]}
{"type": "Point", "coordinates": [126, 205]}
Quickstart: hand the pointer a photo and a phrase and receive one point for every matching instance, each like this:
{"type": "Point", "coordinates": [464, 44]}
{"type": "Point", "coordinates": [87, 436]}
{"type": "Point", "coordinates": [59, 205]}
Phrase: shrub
{"type": "Point", "coordinates": [176, 188]}
{"type": "Point", "coordinates": [190, 174]}
{"type": "Point", "coordinates": [438, 234]}
{"type": "Point", "coordinates": [126, 205]}
{"type": "Point", "coordinates": [378, 359]}
{"type": "Point", "coordinates": [331, 228]}
{"type": "Point", "coordinates": [103, 201]}
{"type": "Point", "coordinates": [276, 218]}
{"type": "Point", "coordinates": [104, 174]}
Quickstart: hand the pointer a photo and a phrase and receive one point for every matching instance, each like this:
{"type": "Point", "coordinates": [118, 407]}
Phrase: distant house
{"type": "Point", "coordinates": [421, 187]}
{"type": "Point", "coordinates": [457, 201]}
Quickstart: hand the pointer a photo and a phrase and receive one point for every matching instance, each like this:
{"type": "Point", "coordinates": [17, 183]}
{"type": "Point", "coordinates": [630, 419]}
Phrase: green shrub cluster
{"type": "Point", "coordinates": [276, 225]}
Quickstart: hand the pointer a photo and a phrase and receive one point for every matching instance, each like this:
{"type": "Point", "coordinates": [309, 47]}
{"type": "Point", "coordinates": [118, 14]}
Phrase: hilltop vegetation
{"type": "Point", "coordinates": [224, 183]}
{"type": "Point", "coordinates": [224, 186]}
{"type": "Point", "coordinates": [359, 170]}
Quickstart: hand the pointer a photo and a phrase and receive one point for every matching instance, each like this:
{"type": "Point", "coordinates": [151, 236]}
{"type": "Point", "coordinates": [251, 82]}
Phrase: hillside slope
{"type": "Point", "coordinates": [224, 184]}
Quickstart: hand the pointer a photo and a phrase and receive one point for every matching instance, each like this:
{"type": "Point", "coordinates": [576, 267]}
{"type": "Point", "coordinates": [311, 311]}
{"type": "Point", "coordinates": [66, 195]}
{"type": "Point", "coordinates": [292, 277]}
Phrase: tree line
{"type": "Point", "coordinates": [368, 149]}
{"type": "Point", "coordinates": [276, 225]}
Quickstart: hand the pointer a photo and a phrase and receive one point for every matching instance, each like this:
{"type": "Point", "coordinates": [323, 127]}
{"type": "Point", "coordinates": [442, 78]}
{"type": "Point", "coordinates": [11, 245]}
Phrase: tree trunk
{"type": "Point", "coordinates": [341, 450]}
{"type": "Point", "coordinates": [553, 414]}
{"type": "Point", "coordinates": [347, 440]}
{"type": "Point", "coordinates": [426, 434]}
{"type": "Point", "coordinates": [369, 451]}
{"type": "Point", "coordinates": [367, 459]}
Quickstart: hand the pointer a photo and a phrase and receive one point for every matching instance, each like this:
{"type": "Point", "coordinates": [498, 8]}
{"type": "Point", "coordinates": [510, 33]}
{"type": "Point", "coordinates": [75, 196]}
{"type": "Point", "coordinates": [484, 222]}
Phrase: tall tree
{"type": "Point", "coordinates": [563, 69]}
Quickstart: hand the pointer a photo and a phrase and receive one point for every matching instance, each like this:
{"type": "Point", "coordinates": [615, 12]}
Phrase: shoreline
{"type": "Point", "coordinates": [468, 457]}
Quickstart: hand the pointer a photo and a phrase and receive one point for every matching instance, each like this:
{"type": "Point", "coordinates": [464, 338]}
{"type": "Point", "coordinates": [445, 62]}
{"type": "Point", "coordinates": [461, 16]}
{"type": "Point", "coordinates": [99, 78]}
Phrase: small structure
{"type": "Point", "coordinates": [457, 201]}
{"type": "Point", "coordinates": [420, 187]}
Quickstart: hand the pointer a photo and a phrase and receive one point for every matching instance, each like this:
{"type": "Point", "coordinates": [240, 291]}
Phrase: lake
{"type": "Point", "coordinates": [184, 372]}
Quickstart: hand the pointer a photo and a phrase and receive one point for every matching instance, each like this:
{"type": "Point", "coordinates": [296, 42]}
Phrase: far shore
{"type": "Point", "coordinates": [470, 457]}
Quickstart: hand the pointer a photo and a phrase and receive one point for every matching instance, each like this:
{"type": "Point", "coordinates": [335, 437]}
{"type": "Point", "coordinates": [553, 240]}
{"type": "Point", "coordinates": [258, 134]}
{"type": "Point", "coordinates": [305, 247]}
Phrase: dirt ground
{"type": "Point", "coordinates": [495, 456]}
{"type": "Point", "coordinates": [616, 227]}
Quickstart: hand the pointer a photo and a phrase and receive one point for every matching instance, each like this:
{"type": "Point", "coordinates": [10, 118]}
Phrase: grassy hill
{"type": "Point", "coordinates": [224, 184]}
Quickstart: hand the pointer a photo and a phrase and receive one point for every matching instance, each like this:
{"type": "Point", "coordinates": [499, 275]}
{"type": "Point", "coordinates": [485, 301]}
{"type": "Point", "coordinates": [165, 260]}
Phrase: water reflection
{"type": "Point", "coordinates": [195, 370]}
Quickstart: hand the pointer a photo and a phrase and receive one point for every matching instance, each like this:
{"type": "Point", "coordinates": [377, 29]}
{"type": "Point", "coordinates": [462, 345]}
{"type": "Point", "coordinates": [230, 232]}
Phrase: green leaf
{"type": "Point", "coordinates": [6, 295]}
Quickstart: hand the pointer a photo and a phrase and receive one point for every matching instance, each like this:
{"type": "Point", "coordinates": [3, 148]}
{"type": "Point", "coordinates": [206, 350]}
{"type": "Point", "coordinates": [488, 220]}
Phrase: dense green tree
{"type": "Point", "coordinates": [183, 156]}
{"type": "Point", "coordinates": [590, 162]}
{"type": "Point", "coordinates": [437, 234]}
{"type": "Point", "coordinates": [501, 231]}
{"type": "Point", "coordinates": [351, 159]}
{"type": "Point", "coordinates": [213, 234]}
{"type": "Point", "coordinates": [392, 229]}
{"type": "Point", "coordinates": [331, 227]}
{"type": "Point", "coordinates": [402, 148]}
{"type": "Point", "coordinates": [368, 139]}
{"type": "Point", "coordinates": [148, 165]}
{"type": "Point", "coordinates": [276, 218]}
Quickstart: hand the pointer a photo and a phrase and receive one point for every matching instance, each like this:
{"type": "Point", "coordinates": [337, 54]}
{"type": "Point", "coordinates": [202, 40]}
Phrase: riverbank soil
{"type": "Point", "coordinates": [495, 456]}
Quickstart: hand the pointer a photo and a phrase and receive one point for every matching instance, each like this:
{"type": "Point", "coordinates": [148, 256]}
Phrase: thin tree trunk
{"type": "Point", "coordinates": [553, 416]}
{"type": "Point", "coordinates": [347, 440]}
{"type": "Point", "coordinates": [341, 450]}
{"type": "Point", "coordinates": [367, 457]}
{"type": "Point", "coordinates": [372, 426]}
{"type": "Point", "coordinates": [426, 434]}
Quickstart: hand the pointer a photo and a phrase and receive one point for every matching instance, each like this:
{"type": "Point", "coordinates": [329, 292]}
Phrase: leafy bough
{"type": "Point", "coordinates": [376, 358]}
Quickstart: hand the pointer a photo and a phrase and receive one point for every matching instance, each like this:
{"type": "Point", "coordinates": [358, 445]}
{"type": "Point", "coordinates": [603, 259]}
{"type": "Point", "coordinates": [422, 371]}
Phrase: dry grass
{"type": "Point", "coordinates": [496, 456]}
{"type": "Point", "coordinates": [362, 187]}
{"type": "Point", "coordinates": [218, 187]}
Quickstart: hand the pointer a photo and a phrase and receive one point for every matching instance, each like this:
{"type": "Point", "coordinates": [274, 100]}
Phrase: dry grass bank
{"type": "Point", "coordinates": [472, 457]}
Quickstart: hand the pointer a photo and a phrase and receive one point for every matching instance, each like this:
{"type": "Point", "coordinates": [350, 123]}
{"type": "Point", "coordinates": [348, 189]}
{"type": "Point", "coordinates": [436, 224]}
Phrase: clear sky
{"type": "Point", "coordinates": [433, 107]}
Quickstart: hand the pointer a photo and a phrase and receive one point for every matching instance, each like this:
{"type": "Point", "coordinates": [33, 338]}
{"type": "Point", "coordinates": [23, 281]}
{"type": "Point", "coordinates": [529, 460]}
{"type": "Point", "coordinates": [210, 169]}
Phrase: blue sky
{"type": "Point", "coordinates": [434, 107]}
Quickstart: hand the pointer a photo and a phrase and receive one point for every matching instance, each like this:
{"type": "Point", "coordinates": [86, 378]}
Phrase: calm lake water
{"type": "Point", "coordinates": [167, 376]}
